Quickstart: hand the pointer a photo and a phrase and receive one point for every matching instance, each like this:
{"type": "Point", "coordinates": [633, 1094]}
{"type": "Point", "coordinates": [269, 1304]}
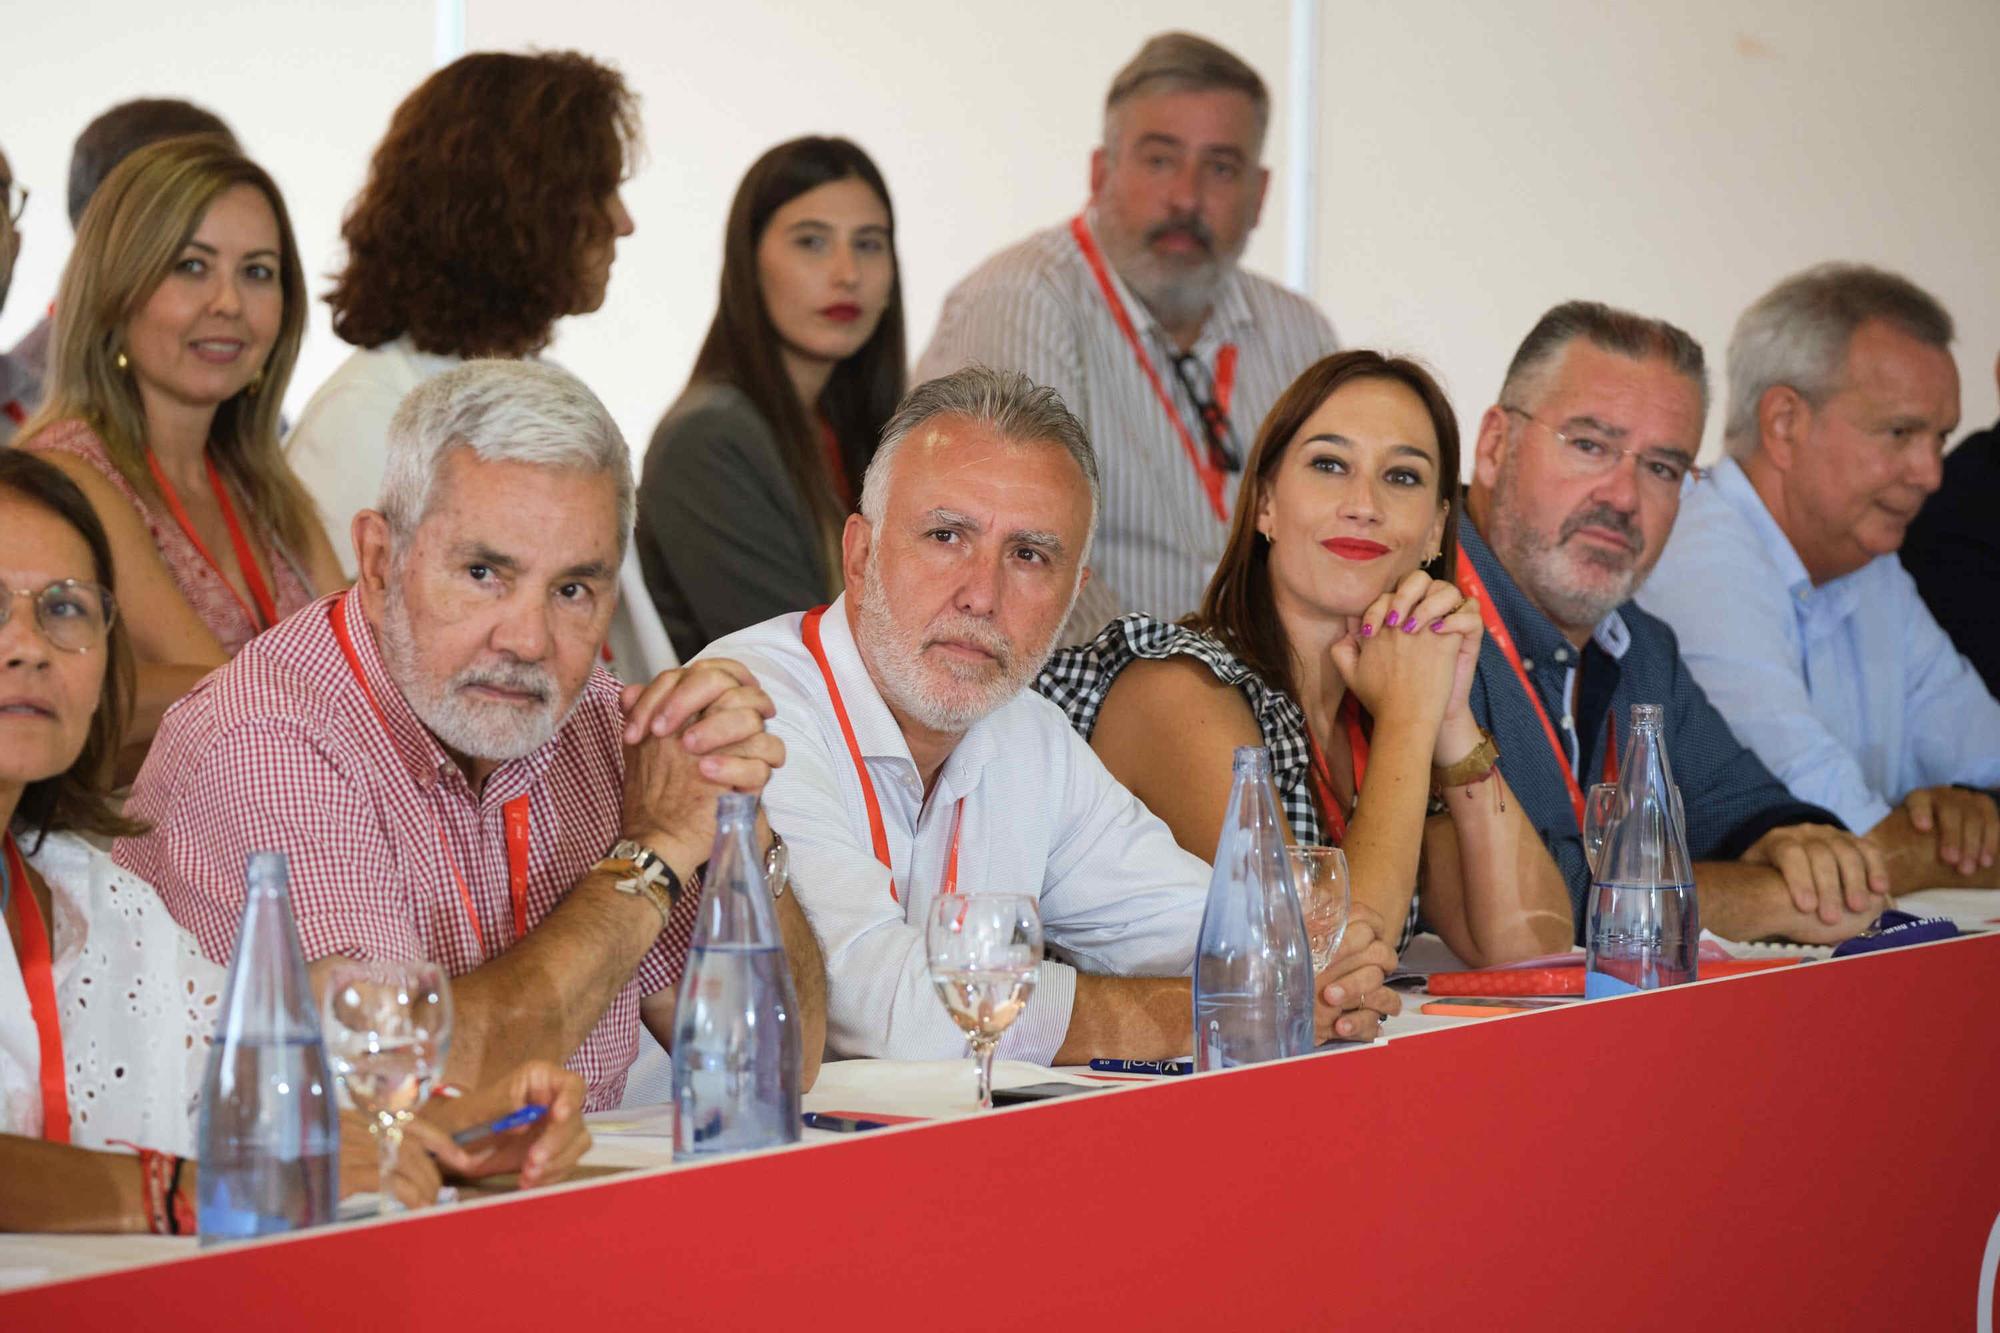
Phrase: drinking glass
{"type": "Point", "coordinates": [1601, 809]}
{"type": "Point", "coordinates": [984, 949]}
{"type": "Point", "coordinates": [387, 1030]}
{"type": "Point", "coordinates": [1325, 894]}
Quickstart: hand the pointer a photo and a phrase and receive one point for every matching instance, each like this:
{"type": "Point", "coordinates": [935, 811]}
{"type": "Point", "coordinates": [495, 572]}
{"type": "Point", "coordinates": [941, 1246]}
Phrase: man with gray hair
{"type": "Point", "coordinates": [1576, 484]}
{"type": "Point", "coordinates": [1783, 582]}
{"type": "Point", "coordinates": [449, 770]}
{"type": "Point", "coordinates": [1137, 313]}
{"type": "Point", "coordinates": [919, 763]}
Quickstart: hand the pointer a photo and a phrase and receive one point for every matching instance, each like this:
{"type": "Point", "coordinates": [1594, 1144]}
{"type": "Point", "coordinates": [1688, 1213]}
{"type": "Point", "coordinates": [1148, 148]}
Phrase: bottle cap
{"type": "Point", "coordinates": [1252, 759]}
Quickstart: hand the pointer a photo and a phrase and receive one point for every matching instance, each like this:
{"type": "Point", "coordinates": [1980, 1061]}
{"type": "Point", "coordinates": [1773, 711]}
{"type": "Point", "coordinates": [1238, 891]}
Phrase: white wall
{"type": "Point", "coordinates": [1477, 162]}
{"type": "Point", "coordinates": [1483, 162]}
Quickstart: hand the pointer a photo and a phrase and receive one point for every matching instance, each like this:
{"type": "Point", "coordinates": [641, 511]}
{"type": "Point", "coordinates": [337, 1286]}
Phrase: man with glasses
{"type": "Point", "coordinates": [1137, 313]}
{"type": "Point", "coordinates": [1577, 480]}
{"type": "Point", "coordinates": [1784, 586]}
{"type": "Point", "coordinates": [19, 388]}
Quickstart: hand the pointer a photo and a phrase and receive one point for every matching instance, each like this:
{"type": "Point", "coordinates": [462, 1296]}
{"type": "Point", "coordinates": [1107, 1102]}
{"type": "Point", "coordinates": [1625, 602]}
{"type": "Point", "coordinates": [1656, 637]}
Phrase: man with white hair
{"type": "Point", "coordinates": [918, 761]}
{"type": "Point", "coordinates": [1783, 584]}
{"type": "Point", "coordinates": [449, 770]}
{"type": "Point", "coordinates": [1137, 312]}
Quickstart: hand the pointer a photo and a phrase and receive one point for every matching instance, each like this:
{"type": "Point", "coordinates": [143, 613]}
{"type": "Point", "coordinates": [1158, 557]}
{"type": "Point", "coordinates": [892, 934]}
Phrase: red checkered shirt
{"type": "Point", "coordinates": [281, 750]}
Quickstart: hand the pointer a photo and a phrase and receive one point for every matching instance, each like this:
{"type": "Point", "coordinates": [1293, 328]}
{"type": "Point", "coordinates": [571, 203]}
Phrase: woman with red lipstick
{"type": "Point", "coordinates": [1329, 635]}
{"type": "Point", "coordinates": [106, 1004]}
{"type": "Point", "coordinates": [753, 471]}
{"type": "Point", "coordinates": [177, 326]}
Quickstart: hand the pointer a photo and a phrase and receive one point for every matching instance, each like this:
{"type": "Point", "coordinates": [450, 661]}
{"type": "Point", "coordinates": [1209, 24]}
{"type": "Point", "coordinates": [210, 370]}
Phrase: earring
{"type": "Point", "coordinates": [256, 383]}
{"type": "Point", "coordinates": [122, 362]}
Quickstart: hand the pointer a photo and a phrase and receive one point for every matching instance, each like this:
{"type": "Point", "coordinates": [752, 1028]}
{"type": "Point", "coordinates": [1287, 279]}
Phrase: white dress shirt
{"type": "Point", "coordinates": [1042, 816]}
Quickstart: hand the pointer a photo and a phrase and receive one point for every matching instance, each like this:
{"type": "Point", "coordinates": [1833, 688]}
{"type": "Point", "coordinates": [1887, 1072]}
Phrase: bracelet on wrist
{"type": "Point", "coordinates": [1475, 767]}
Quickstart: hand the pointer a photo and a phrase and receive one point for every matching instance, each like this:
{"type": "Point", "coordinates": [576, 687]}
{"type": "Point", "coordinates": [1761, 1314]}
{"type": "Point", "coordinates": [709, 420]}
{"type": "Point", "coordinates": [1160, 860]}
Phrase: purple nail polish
{"type": "Point", "coordinates": [1410, 625]}
{"type": "Point", "coordinates": [1389, 621]}
{"type": "Point", "coordinates": [1437, 625]}
{"type": "Point", "coordinates": [1367, 630]}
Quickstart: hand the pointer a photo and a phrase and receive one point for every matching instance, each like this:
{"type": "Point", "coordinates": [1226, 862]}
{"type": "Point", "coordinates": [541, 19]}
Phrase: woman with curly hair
{"type": "Point", "coordinates": [755, 468]}
{"type": "Point", "coordinates": [491, 211]}
{"type": "Point", "coordinates": [176, 329]}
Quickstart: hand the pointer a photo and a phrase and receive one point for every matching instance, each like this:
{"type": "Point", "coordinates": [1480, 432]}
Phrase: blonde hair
{"type": "Point", "coordinates": [130, 235]}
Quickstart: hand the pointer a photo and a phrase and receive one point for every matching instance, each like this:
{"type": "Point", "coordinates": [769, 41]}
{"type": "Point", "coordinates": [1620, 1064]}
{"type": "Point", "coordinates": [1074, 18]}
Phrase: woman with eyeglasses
{"type": "Point", "coordinates": [756, 466]}
{"type": "Point", "coordinates": [107, 1007]}
{"type": "Point", "coordinates": [177, 325]}
{"type": "Point", "coordinates": [1330, 635]}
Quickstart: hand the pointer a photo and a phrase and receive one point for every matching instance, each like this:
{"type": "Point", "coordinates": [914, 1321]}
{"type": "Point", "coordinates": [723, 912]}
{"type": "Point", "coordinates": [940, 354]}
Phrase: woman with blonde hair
{"type": "Point", "coordinates": [177, 326]}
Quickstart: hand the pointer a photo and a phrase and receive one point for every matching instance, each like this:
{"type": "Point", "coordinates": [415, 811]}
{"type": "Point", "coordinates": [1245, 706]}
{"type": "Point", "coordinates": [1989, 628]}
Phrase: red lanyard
{"type": "Point", "coordinates": [514, 814]}
{"type": "Point", "coordinates": [1225, 371]}
{"type": "Point", "coordinates": [38, 973]}
{"type": "Point", "coordinates": [253, 577]}
{"type": "Point", "coordinates": [1470, 583]}
{"type": "Point", "coordinates": [1357, 744]}
{"type": "Point", "coordinates": [836, 465]}
{"type": "Point", "coordinates": [878, 832]}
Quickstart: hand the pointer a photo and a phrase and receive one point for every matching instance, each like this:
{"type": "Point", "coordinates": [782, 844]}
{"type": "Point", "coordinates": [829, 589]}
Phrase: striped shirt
{"type": "Point", "coordinates": [281, 750]}
{"type": "Point", "coordinates": [1036, 308]}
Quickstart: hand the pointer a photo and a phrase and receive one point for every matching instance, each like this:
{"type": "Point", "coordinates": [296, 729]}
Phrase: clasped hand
{"type": "Point", "coordinates": [1414, 652]}
{"type": "Point", "coordinates": [690, 735]}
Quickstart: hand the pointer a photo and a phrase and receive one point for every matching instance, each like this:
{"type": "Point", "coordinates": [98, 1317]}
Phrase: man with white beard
{"type": "Point", "coordinates": [919, 762]}
{"type": "Point", "coordinates": [448, 768]}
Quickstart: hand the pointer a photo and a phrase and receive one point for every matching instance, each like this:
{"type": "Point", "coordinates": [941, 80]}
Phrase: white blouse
{"type": "Point", "coordinates": [138, 1003]}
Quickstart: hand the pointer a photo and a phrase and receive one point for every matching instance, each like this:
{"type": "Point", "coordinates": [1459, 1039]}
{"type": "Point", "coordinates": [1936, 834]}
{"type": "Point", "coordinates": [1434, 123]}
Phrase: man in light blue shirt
{"type": "Point", "coordinates": [1782, 582]}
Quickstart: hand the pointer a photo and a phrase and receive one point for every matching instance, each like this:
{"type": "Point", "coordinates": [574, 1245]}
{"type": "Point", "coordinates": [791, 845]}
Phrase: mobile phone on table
{"type": "Point", "coordinates": [1036, 1092]}
{"type": "Point", "coordinates": [1485, 1006]}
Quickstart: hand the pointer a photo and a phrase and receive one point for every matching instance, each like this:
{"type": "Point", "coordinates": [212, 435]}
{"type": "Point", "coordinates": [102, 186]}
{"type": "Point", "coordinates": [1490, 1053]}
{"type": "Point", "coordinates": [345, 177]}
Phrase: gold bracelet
{"type": "Point", "coordinates": [1473, 768]}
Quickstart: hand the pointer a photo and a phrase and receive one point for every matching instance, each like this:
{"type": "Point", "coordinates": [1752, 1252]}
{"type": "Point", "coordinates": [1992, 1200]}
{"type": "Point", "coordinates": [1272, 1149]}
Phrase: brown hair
{"type": "Point", "coordinates": [743, 346]}
{"type": "Point", "coordinates": [131, 235]}
{"type": "Point", "coordinates": [124, 130]}
{"type": "Point", "coordinates": [491, 182]}
{"type": "Point", "coordinates": [78, 799]}
{"type": "Point", "coordinates": [1238, 607]}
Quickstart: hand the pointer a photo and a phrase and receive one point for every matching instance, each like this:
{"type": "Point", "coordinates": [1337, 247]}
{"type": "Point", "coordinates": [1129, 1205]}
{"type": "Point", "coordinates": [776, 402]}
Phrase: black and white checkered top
{"type": "Point", "coordinates": [1077, 680]}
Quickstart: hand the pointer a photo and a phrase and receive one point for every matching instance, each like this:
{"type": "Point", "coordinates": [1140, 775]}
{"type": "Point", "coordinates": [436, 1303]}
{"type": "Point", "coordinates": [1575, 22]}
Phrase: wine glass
{"type": "Point", "coordinates": [1325, 894]}
{"type": "Point", "coordinates": [1602, 807]}
{"type": "Point", "coordinates": [387, 1031]}
{"type": "Point", "coordinates": [984, 950]}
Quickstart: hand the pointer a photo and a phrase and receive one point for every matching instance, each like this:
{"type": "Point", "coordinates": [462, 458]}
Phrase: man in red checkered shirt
{"type": "Point", "coordinates": [451, 773]}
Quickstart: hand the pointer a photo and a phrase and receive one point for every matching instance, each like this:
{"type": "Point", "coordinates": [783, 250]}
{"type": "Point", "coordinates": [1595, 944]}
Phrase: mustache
{"type": "Point", "coordinates": [1192, 227]}
{"type": "Point", "coordinates": [520, 677]}
{"type": "Point", "coordinates": [1612, 520]}
{"type": "Point", "coordinates": [964, 629]}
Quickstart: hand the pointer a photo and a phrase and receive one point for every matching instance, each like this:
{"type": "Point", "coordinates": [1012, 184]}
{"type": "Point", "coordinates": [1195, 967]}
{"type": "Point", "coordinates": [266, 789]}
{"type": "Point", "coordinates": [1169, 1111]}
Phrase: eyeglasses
{"type": "Point", "coordinates": [1223, 450]}
{"type": "Point", "coordinates": [15, 196]}
{"type": "Point", "coordinates": [1586, 456]}
{"type": "Point", "coordinates": [73, 615]}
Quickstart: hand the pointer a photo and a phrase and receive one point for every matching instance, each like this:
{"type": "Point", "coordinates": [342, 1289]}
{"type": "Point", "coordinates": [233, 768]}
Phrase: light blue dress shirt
{"type": "Point", "coordinates": [1849, 692]}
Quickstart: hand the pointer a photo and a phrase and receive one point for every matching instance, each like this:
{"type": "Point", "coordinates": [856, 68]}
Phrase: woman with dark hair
{"type": "Point", "coordinates": [177, 326]}
{"type": "Point", "coordinates": [107, 1007]}
{"type": "Point", "coordinates": [753, 471]}
{"type": "Point", "coordinates": [490, 212]}
{"type": "Point", "coordinates": [1329, 634]}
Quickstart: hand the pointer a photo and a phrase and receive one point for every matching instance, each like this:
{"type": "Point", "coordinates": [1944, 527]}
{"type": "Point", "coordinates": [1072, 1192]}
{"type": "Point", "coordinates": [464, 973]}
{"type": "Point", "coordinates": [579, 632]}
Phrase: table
{"type": "Point", "coordinates": [1833, 1163]}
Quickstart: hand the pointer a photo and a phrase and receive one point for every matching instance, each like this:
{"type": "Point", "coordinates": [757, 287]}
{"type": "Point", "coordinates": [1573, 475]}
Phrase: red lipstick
{"type": "Point", "coordinates": [844, 313]}
{"type": "Point", "coordinates": [1355, 548]}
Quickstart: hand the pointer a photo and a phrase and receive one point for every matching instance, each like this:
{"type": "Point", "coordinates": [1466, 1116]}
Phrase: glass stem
{"type": "Point", "coordinates": [982, 1061]}
{"type": "Point", "coordinates": [388, 1143]}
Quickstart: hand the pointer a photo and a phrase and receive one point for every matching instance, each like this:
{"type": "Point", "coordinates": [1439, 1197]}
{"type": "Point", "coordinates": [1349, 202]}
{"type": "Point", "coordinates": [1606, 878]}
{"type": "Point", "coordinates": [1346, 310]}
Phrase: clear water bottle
{"type": "Point", "coordinates": [736, 1025]}
{"type": "Point", "coordinates": [1253, 968]}
{"type": "Point", "coordinates": [1643, 929]}
{"type": "Point", "coordinates": [270, 1138]}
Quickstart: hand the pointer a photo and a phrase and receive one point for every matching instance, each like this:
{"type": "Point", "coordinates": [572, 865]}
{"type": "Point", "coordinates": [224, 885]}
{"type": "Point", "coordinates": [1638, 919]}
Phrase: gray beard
{"type": "Point", "coordinates": [1543, 571]}
{"type": "Point", "coordinates": [490, 732]}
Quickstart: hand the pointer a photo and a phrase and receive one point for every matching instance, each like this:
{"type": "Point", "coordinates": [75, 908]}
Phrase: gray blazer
{"type": "Point", "coordinates": [724, 538]}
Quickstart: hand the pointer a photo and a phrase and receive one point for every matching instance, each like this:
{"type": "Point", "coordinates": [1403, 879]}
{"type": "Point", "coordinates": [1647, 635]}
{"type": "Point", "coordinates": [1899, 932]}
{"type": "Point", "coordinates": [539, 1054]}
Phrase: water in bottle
{"type": "Point", "coordinates": [1643, 929]}
{"type": "Point", "coordinates": [736, 1025]}
{"type": "Point", "coordinates": [1253, 967]}
{"type": "Point", "coordinates": [269, 1135]}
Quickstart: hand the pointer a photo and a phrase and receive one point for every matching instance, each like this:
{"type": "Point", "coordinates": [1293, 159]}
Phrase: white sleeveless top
{"type": "Point", "coordinates": [137, 999]}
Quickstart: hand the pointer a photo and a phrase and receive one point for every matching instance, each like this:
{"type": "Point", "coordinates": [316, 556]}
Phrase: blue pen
{"type": "Point", "coordinates": [527, 1115]}
{"type": "Point", "coordinates": [1143, 1066]}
